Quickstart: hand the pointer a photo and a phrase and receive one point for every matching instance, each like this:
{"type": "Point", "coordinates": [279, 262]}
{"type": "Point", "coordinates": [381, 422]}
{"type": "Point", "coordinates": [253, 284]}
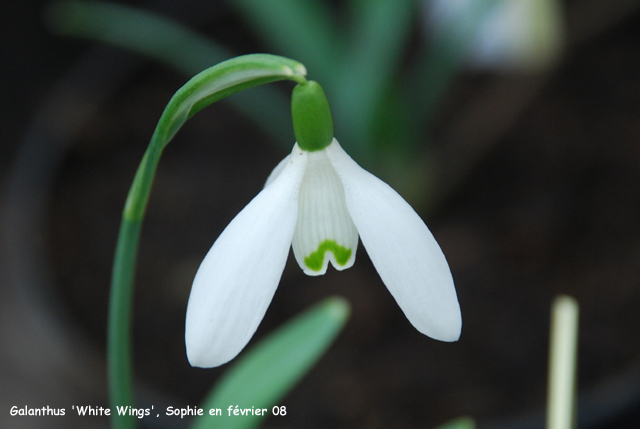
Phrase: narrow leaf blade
{"type": "Point", "coordinates": [168, 41]}
{"type": "Point", "coordinates": [263, 376]}
{"type": "Point", "coordinates": [301, 29]}
{"type": "Point", "coordinates": [209, 86]}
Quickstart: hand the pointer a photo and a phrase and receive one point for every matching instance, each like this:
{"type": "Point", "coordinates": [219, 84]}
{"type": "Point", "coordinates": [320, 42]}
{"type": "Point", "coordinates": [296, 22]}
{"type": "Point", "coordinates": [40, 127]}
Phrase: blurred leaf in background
{"type": "Point", "coordinates": [264, 375]}
{"type": "Point", "coordinates": [461, 423]}
{"type": "Point", "coordinates": [169, 42]}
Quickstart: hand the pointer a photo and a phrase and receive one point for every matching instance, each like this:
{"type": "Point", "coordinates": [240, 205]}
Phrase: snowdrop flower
{"type": "Point", "coordinates": [507, 35]}
{"type": "Point", "coordinates": [317, 200]}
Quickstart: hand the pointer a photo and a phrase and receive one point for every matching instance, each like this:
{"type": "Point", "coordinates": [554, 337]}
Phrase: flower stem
{"type": "Point", "coordinates": [205, 88]}
{"type": "Point", "coordinates": [119, 330]}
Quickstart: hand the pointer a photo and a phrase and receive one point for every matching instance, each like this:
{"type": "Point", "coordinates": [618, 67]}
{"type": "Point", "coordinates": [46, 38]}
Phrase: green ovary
{"type": "Point", "coordinates": [314, 261]}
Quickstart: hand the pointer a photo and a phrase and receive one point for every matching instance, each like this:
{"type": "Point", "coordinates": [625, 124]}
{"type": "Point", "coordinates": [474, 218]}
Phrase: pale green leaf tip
{"type": "Point", "coordinates": [459, 423]}
{"type": "Point", "coordinates": [300, 69]}
{"type": "Point", "coordinates": [298, 73]}
{"type": "Point", "coordinates": [338, 308]}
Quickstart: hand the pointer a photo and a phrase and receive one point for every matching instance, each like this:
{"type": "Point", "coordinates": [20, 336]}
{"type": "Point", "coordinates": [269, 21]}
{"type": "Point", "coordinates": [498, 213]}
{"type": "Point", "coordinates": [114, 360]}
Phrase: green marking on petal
{"type": "Point", "coordinates": [314, 261]}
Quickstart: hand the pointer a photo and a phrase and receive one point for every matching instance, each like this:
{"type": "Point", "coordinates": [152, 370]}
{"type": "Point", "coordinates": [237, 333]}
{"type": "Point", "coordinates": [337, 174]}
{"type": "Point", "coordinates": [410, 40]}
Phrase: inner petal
{"type": "Point", "coordinates": [324, 230]}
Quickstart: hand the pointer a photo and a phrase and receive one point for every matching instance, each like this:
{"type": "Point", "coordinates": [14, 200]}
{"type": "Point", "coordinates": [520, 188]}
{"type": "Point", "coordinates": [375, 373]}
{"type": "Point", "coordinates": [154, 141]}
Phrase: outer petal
{"type": "Point", "coordinates": [238, 277]}
{"type": "Point", "coordinates": [402, 249]}
{"type": "Point", "coordinates": [276, 171]}
{"type": "Point", "coordinates": [324, 231]}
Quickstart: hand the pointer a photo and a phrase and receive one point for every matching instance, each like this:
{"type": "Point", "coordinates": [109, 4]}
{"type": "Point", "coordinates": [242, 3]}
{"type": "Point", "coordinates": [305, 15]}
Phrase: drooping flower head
{"type": "Point", "coordinates": [317, 200]}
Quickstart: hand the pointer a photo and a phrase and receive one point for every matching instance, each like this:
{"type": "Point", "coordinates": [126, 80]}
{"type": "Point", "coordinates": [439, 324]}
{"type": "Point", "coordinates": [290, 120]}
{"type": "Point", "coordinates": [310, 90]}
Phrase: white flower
{"type": "Point", "coordinates": [318, 202]}
{"type": "Point", "coordinates": [506, 35]}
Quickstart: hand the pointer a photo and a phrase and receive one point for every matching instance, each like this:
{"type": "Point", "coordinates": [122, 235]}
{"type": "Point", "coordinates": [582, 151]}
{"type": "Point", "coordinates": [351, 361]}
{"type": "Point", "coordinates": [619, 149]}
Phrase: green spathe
{"type": "Point", "coordinates": [312, 122]}
{"type": "Point", "coordinates": [315, 260]}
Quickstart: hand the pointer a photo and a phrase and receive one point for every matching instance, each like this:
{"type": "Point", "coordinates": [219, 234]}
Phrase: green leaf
{"type": "Point", "coordinates": [301, 29]}
{"type": "Point", "coordinates": [380, 33]}
{"type": "Point", "coordinates": [460, 423]}
{"type": "Point", "coordinates": [167, 41]}
{"type": "Point", "coordinates": [265, 374]}
{"type": "Point", "coordinates": [137, 30]}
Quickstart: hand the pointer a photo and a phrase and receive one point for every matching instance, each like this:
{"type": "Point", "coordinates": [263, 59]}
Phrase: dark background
{"type": "Point", "coordinates": [549, 205]}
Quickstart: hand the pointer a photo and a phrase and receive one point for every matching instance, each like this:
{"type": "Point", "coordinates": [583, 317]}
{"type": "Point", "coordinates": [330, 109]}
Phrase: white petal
{"type": "Point", "coordinates": [324, 231]}
{"type": "Point", "coordinates": [402, 249]}
{"type": "Point", "coordinates": [239, 275]}
{"type": "Point", "coordinates": [276, 171]}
